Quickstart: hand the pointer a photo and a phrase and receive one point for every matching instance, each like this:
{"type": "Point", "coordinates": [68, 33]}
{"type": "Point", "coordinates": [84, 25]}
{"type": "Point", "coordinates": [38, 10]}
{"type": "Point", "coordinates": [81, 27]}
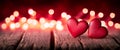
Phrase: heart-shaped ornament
{"type": "Point", "coordinates": [96, 30]}
{"type": "Point", "coordinates": [76, 28]}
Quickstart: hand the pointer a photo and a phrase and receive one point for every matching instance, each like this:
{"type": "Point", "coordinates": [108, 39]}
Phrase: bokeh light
{"type": "Point", "coordinates": [92, 13]}
{"type": "Point", "coordinates": [100, 14]}
{"type": "Point", "coordinates": [12, 26]}
{"type": "Point", "coordinates": [16, 13]}
{"type": "Point", "coordinates": [63, 14]}
{"type": "Point", "coordinates": [7, 20]}
{"type": "Point", "coordinates": [103, 24]}
{"type": "Point", "coordinates": [12, 17]}
{"type": "Point", "coordinates": [29, 21]}
{"type": "Point", "coordinates": [31, 12]}
{"type": "Point", "coordinates": [25, 26]}
{"type": "Point", "coordinates": [3, 26]}
{"type": "Point", "coordinates": [52, 23]}
{"type": "Point", "coordinates": [117, 25]}
{"type": "Point", "coordinates": [23, 19]}
{"type": "Point", "coordinates": [110, 23]}
{"type": "Point", "coordinates": [17, 25]}
{"type": "Point", "coordinates": [51, 11]}
{"type": "Point", "coordinates": [85, 10]}
{"type": "Point", "coordinates": [112, 15]}
{"type": "Point", "coordinates": [34, 22]}
{"type": "Point", "coordinates": [42, 20]}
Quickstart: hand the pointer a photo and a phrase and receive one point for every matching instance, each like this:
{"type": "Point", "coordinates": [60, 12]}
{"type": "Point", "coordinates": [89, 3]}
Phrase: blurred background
{"type": "Point", "coordinates": [72, 7]}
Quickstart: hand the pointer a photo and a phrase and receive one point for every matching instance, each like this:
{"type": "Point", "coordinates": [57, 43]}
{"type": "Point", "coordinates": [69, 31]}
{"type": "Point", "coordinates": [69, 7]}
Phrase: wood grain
{"type": "Point", "coordinates": [56, 40]}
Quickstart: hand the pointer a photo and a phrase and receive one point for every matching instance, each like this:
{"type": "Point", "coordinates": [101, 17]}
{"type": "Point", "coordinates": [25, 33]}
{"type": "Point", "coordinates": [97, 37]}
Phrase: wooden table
{"type": "Point", "coordinates": [56, 40]}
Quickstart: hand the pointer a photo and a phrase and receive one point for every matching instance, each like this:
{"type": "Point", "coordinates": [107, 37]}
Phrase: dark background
{"type": "Point", "coordinates": [72, 7]}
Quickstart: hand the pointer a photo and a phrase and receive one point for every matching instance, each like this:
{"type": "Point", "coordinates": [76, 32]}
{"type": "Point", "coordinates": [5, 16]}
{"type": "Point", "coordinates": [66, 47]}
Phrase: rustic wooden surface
{"type": "Point", "coordinates": [56, 40]}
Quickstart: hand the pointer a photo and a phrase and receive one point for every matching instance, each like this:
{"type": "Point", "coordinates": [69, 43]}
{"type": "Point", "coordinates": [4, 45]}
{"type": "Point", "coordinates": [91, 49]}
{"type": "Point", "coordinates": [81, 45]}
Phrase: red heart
{"type": "Point", "coordinates": [96, 30]}
{"type": "Point", "coordinates": [77, 28]}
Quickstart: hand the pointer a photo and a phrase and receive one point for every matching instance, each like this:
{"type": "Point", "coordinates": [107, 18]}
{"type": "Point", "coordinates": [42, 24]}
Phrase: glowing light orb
{"type": "Point", "coordinates": [117, 25]}
{"type": "Point", "coordinates": [59, 27]}
{"type": "Point", "coordinates": [17, 25]}
{"type": "Point", "coordinates": [25, 26]}
{"type": "Point", "coordinates": [112, 15]}
{"type": "Point", "coordinates": [3, 26]}
{"type": "Point", "coordinates": [100, 14]}
{"type": "Point", "coordinates": [12, 26]}
{"type": "Point", "coordinates": [23, 19]}
{"type": "Point", "coordinates": [52, 23]}
{"type": "Point", "coordinates": [29, 21]}
{"type": "Point", "coordinates": [51, 11]}
{"type": "Point", "coordinates": [58, 22]}
{"type": "Point", "coordinates": [42, 20]}
{"type": "Point", "coordinates": [42, 27]}
{"type": "Point", "coordinates": [63, 14]}
{"type": "Point", "coordinates": [31, 12]}
{"type": "Point", "coordinates": [34, 22]}
{"type": "Point", "coordinates": [7, 20]}
{"type": "Point", "coordinates": [110, 23]}
{"type": "Point", "coordinates": [46, 25]}
{"type": "Point", "coordinates": [12, 17]}
{"type": "Point", "coordinates": [85, 10]}
{"type": "Point", "coordinates": [68, 17]}
{"type": "Point", "coordinates": [79, 20]}
{"type": "Point", "coordinates": [92, 13]}
{"type": "Point", "coordinates": [103, 24]}
{"type": "Point", "coordinates": [16, 13]}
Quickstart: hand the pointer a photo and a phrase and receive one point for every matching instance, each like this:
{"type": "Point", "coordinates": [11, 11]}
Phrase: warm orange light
{"type": "Point", "coordinates": [46, 25]}
{"type": "Point", "coordinates": [92, 13]}
{"type": "Point", "coordinates": [17, 25]}
{"type": "Point", "coordinates": [23, 19]}
{"type": "Point", "coordinates": [34, 22]}
{"type": "Point", "coordinates": [59, 22]}
{"type": "Point", "coordinates": [68, 17]}
{"type": "Point", "coordinates": [42, 27]}
{"type": "Point", "coordinates": [59, 27]}
{"type": "Point", "coordinates": [12, 26]}
{"type": "Point", "coordinates": [42, 20]}
{"type": "Point", "coordinates": [16, 13]}
{"type": "Point", "coordinates": [52, 23]}
{"type": "Point", "coordinates": [31, 12]}
{"type": "Point", "coordinates": [51, 11]}
{"type": "Point", "coordinates": [29, 21]}
{"type": "Point", "coordinates": [25, 26]}
{"type": "Point", "coordinates": [117, 25]}
{"type": "Point", "coordinates": [100, 14]}
{"type": "Point", "coordinates": [63, 14]}
{"type": "Point", "coordinates": [85, 10]}
{"type": "Point", "coordinates": [3, 26]}
{"type": "Point", "coordinates": [7, 20]}
{"type": "Point", "coordinates": [79, 20]}
{"type": "Point", "coordinates": [103, 24]}
{"type": "Point", "coordinates": [110, 23]}
{"type": "Point", "coordinates": [12, 17]}
{"type": "Point", "coordinates": [112, 15]}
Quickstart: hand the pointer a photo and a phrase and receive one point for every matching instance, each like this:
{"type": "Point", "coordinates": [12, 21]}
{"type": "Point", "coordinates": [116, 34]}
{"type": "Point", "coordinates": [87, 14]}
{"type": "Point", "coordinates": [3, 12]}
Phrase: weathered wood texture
{"type": "Point", "coordinates": [56, 40]}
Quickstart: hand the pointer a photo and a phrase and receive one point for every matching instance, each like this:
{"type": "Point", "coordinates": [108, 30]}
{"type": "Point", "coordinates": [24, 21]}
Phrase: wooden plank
{"type": "Point", "coordinates": [115, 35]}
{"type": "Point", "coordinates": [64, 41]}
{"type": "Point", "coordinates": [56, 40]}
{"type": "Point", "coordinates": [107, 43]}
{"type": "Point", "coordinates": [9, 39]}
{"type": "Point", "coordinates": [95, 44]}
{"type": "Point", "coordinates": [35, 39]}
{"type": "Point", "coordinates": [89, 44]}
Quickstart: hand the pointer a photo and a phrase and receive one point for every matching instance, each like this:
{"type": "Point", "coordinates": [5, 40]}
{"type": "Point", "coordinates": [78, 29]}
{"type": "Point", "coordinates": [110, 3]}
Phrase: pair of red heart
{"type": "Point", "coordinates": [95, 29]}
